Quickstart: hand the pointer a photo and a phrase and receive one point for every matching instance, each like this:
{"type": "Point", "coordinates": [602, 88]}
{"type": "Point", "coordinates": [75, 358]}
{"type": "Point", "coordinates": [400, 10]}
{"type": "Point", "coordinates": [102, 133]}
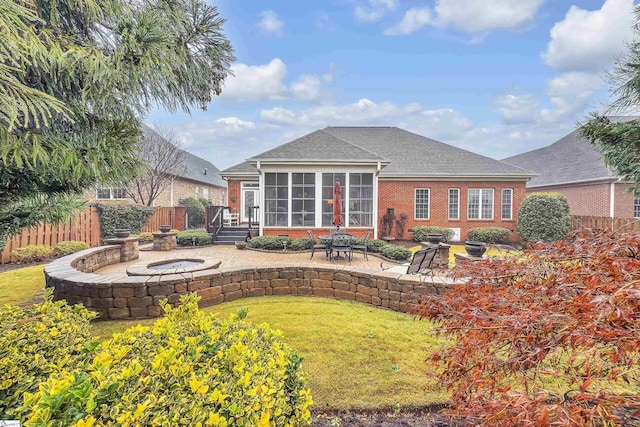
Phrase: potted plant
{"type": "Point", "coordinates": [121, 233]}
{"type": "Point", "coordinates": [165, 228]}
{"type": "Point", "coordinates": [434, 238]}
{"type": "Point", "coordinates": [476, 249]}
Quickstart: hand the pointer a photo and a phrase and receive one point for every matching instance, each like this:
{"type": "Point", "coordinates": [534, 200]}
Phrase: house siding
{"type": "Point", "coordinates": [595, 199]}
{"type": "Point", "coordinates": [399, 195]}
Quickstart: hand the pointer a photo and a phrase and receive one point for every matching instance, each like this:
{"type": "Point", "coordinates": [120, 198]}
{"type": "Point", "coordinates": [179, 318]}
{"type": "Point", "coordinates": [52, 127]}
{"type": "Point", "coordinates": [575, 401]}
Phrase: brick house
{"type": "Point", "coordinates": [200, 179]}
{"type": "Point", "coordinates": [379, 168]}
{"type": "Point", "coordinates": [574, 167]}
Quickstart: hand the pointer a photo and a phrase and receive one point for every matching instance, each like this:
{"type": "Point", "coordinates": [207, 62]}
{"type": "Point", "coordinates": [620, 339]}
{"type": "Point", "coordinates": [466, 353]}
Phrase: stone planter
{"type": "Point", "coordinates": [434, 238]}
{"type": "Point", "coordinates": [121, 233]}
{"type": "Point", "coordinates": [241, 245]}
{"type": "Point", "coordinates": [476, 249]}
{"type": "Point", "coordinates": [165, 228]}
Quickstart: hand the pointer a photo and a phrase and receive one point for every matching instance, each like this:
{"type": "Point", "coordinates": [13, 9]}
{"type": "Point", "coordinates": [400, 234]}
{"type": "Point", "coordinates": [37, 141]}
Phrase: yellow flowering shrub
{"type": "Point", "coordinates": [36, 342]}
{"type": "Point", "coordinates": [189, 368]}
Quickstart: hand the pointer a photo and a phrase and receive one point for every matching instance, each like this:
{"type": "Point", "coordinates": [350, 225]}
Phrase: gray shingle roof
{"type": "Point", "coordinates": [411, 154]}
{"type": "Point", "coordinates": [318, 146]}
{"type": "Point", "coordinates": [195, 167]}
{"type": "Point", "coordinates": [407, 154]}
{"type": "Point", "coordinates": [571, 159]}
{"type": "Point", "coordinates": [243, 168]}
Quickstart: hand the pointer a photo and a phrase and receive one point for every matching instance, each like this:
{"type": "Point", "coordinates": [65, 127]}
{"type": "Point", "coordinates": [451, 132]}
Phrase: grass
{"type": "Point", "coordinates": [356, 356]}
{"type": "Point", "coordinates": [21, 285]}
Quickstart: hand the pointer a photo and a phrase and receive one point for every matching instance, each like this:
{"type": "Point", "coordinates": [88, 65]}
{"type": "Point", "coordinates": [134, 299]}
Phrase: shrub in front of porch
{"type": "Point", "coordinates": [396, 252]}
{"type": "Point", "coordinates": [197, 235]}
{"type": "Point", "coordinates": [489, 234]}
{"type": "Point", "coordinates": [273, 243]}
{"type": "Point", "coordinates": [301, 244]}
{"type": "Point", "coordinates": [420, 233]}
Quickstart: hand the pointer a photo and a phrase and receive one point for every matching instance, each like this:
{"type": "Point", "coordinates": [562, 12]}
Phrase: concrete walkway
{"type": "Point", "coordinates": [231, 257]}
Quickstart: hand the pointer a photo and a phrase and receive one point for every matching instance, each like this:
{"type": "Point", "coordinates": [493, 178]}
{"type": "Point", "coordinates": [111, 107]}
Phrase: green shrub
{"type": "Point", "coordinates": [489, 234]}
{"type": "Point", "coordinates": [32, 253]}
{"type": "Point", "coordinates": [420, 232]}
{"type": "Point", "coordinates": [36, 342]}
{"type": "Point", "coordinates": [396, 252]}
{"type": "Point", "coordinates": [202, 238]}
{"type": "Point", "coordinates": [376, 245]}
{"type": "Point", "coordinates": [189, 368]}
{"type": "Point", "coordinates": [544, 217]}
{"type": "Point", "coordinates": [301, 244]}
{"type": "Point", "coordinates": [70, 246]}
{"type": "Point", "coordinates": [146, 236]}
{"type": "Point", "coordinates": [270, 242]}
{"type": "Point", "coordinates": [195, 212]}
{"type": "Point", "coordinates": [131, 217]}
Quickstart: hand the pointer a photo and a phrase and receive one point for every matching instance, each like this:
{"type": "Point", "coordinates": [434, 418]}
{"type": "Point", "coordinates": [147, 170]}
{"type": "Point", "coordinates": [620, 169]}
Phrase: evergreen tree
{"type": "Point", "coordinates": [77, 77]}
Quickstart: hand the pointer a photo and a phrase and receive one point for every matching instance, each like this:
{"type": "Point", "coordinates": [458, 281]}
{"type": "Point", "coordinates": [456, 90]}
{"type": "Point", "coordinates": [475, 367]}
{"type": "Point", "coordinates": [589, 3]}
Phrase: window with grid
{"type": "Point", "coordinates": [303, 199]}
{"type": "Point", "coordinates": [360, 199]}
{"type": "Point", "coordinates": [421, 203]}
{"type": "Point", "coordinates": [636, 206]}
{"type": "Point", "coordinates": [507, 203]}
{"type": "Point", "coordinates": [276, 199]}
{"type": "Point", "coordinates": [328, 184]}
{"type": "Point", "coordinates": [454, 203]}
{"type": "Point", "coordinates": [480, 203]}
{"type": "Point", "coordinates": [108, 193]}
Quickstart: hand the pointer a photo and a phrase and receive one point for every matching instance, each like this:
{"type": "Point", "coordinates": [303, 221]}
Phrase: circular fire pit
{"type": "Point", "coordinates": [173, 266]}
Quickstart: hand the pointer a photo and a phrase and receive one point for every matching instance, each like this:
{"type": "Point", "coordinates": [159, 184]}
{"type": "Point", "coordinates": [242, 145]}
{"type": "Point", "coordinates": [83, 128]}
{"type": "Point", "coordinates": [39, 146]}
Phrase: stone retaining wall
{"type": "Point", "coordinates": [116, 296]}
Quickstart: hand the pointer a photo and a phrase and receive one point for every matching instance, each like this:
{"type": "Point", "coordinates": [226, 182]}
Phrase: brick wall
{"type": "Point", "coordinates": [587, 199]}
{"type": "Point", "coordinates": [233, 187]}
{"type": "Point", "coordinates": [399, 195]}
{"type": "Point", "coordinates": [623, 203]}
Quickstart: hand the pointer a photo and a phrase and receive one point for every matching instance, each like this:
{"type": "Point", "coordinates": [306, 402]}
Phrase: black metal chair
{"type": "Point", "coordinates": [316, 245]}
{"type": "Point", "coordinates": [363, 247]}
{"type": "Point", "coordinates": [421, 263]}
{"type": "Point", "coordinates": [341, 243]}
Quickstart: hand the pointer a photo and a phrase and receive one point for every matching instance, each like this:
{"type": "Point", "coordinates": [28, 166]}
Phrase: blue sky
{"type": "Point", "coordinates": [496, 77]}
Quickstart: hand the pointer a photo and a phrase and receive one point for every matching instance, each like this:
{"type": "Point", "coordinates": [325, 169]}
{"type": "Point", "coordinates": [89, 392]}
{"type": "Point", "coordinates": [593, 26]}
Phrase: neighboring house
{"type": "Point", "coordinates": [379, 168]}
{"type": "Point", "coordinates": [200, 179]}
{"type": "Point", "coordinates": [574, 167]}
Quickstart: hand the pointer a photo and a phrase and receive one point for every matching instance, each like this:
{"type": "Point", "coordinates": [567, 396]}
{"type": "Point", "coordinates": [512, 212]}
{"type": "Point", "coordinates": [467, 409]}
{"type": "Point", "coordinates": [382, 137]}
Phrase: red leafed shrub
{"type": "Point", "coordinates": [550, 337]}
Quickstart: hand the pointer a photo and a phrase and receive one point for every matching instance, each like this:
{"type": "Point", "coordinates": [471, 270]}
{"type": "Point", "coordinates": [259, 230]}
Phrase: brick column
{"type": "Point", "coordinates": [164, 241]}
{"type": "Point", "coordinates": [128, 248]}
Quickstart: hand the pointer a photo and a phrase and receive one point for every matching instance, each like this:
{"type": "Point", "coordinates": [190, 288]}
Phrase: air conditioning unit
{"type": "Point", "coordinates": [456, 234]}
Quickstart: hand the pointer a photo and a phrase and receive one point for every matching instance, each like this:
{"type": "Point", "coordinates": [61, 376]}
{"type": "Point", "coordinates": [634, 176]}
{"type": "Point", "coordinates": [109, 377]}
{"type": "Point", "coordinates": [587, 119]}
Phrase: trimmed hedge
{"type": "Point", "coordinates": [376, 245]}
{"type": "Point", "coordinates": [131, 217]}
{"type": "Point", "coordinates": [301, 244]}
{"type": "Point", "coordinates": [32, 253]}
{"type": "Point", "coordinates": [69, 247]}
{"type": "Point", "coordinates": [189, 368]}
{"type": "Point", "coordinates": [420, 232]}
{"type": "Point", "coordinates": [489, 234]}
{"type": "Point", "coordinates": [146, 236]}
{"type": "Point", "coordinates": [270, 242]}
{"type": "Point", "coordinates": [202, 238]}
{"type": "Point", "coordinates": [544, 217]}
{"type": "Point", "coordinates": [396, 252]}
{"type": "Point", "coordinates": [36, 342]}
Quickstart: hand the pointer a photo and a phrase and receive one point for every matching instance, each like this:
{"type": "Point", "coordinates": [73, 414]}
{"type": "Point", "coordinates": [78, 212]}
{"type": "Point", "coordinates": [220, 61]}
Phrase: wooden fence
{"type": "Point", "coordinates": [85, 227]}
{"type": "Point", "coordinates": [600, 222]}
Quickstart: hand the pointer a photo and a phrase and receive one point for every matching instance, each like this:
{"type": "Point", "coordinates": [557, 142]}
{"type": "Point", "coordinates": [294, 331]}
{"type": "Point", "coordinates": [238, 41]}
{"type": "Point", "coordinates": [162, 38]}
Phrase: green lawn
{"type": "Point", "coordinates": [21, 285]}
{"type": "Point", "coordinates": [357, 356]}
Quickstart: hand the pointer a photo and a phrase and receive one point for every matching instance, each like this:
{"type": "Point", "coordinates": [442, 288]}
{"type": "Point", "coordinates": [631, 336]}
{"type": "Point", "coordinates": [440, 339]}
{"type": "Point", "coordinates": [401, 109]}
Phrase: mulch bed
{"type": "Point", "coordinates": [15, 265]}
{"type": "Point", "coordinates": [418, 417]}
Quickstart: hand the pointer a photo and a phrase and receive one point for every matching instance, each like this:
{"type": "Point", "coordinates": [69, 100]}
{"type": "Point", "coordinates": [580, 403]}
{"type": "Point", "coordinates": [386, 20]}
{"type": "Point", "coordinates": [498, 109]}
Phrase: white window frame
{"type": "Point", "coordinates": [636, 206]}
{"type": "Point", "coordinates": [457, 190]}
{"type": "Point", "coordinates": [480, 197]}
{"type": "Point", "coordinates": [502, 204]}
{"type": "Point", "coordinates": [111, 193]}
{"type": "Point", "coordinates": [415, 203]}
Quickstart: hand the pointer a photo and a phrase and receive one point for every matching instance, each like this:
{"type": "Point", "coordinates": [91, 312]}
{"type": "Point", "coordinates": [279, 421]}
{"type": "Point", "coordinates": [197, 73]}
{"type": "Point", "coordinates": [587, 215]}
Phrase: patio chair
{"type": "Point", "coordinates": [421, 263]}
{"type": "Point", "coordinates": [229, 218]}
{"type": "Point", "coordinates": [316, 245]}
{"type": "Point", "coordinates": [341, 243]}
{"type": "Point", "coordinates": [363, 247]}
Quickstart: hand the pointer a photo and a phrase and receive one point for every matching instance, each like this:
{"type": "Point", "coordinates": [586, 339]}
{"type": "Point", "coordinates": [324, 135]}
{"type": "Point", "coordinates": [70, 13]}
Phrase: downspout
{"type": "Point", "coordinates": [171, 194]}
{"type": "Point", "coordinates": [612, 201]}
{"type": "Point", "coordinates": [260, 199]}
{"type": "Point", "coordinates": [375, 201]}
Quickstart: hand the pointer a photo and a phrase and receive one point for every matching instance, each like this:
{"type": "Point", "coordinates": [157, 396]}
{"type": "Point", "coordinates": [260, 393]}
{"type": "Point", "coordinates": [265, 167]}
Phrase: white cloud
{"type": "Point", "coordinates": [257, 82]}
{"type": "Point", "coordinates": [590, 40]}
{"type": "Point", "coordinates": [266, 83]}
{"type": "Point", "coordinates": [324, 22]}
{"type": "Point", "coordinates": [570, 93]}
{"type": "Point", "coordinates": [373, 10]}
{"type": "Point", "coordinates": [363, 112]}
{"type": "Point", "coordinates": [270, 23]}
{"type": "Point", "coordinates": [517, 109]}
{"type": "Point", "coordinates": [413, 20]}
{"type": "Point", "coordinates": [471, 16]}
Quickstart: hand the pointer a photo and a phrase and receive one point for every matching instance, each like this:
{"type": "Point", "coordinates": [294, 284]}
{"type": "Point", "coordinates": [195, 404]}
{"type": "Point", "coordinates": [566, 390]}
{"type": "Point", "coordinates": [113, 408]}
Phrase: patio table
{"type": "Point", "coordinates": [328, 241]}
